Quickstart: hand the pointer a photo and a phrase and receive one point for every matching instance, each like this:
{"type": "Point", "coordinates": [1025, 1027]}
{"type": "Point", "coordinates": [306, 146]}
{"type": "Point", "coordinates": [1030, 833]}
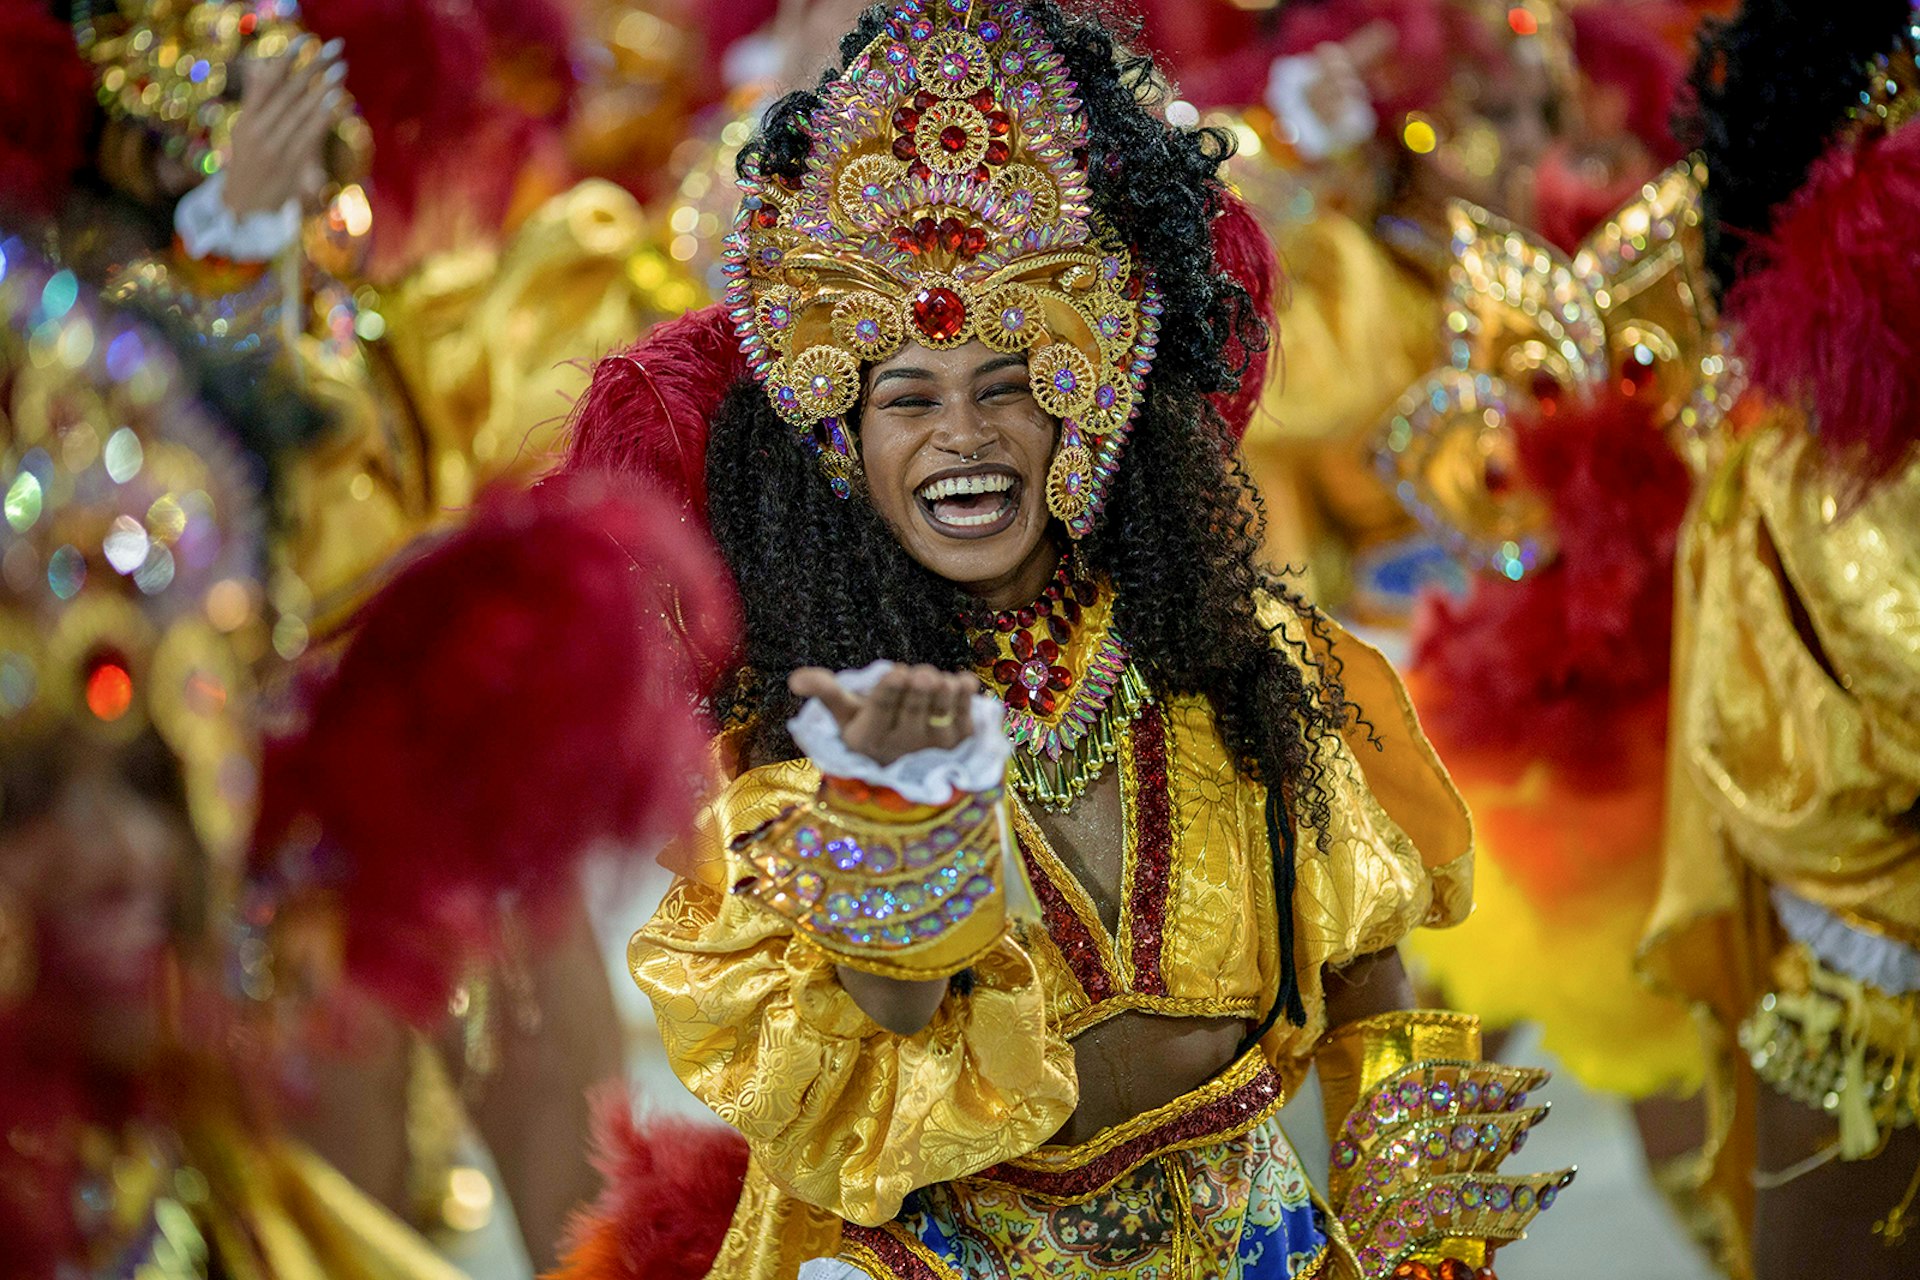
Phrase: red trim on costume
{"type": "Point", "coordinates": [1069, 933]}
{"type": "Point", "coordinates": [1153, 850]}
{"type": "Point", "coordinates": [891, 1252]}
{"type": "Point", "coordinates": [1214, 1121]}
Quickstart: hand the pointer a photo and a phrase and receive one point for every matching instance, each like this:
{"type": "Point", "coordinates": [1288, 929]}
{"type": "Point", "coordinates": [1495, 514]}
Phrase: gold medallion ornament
{"type": "Point", "coordinates": [1069, 686]}
{"type": "Point", "coordinates": [1531, 331]}
{"type": "Point", "coordinates": [946, 200]}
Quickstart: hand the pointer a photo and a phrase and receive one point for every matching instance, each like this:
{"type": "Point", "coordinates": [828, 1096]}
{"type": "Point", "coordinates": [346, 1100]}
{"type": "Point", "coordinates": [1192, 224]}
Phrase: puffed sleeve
{"type": "Point", "coordinates": [838, 1111]}
{"type": "Point", "coordinates": [1397, 851]}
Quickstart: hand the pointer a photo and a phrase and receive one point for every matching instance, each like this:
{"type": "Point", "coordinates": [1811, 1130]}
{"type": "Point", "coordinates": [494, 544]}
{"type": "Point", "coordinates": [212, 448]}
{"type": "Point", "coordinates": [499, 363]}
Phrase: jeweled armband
{"type": "Point", "coordinates": [1419, 1128]}
{"type": "Point", "coordinates": [913, 895]}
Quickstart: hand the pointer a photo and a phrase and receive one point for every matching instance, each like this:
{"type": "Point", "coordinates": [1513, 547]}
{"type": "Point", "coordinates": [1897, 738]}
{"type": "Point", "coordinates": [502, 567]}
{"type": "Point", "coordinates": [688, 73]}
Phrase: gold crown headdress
{"type": "Point", "coordinates": [946, 199]}
{"type": "Point", "coordinates": [168, 64]}
{"type": "Point", "coordinates": [1530, 330]}
{"type": "Point", "coordinates": [129, 550]}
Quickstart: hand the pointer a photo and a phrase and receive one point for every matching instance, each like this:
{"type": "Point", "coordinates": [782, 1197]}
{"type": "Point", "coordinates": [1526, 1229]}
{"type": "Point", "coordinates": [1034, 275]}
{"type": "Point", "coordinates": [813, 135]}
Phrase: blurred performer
{"type": "Point", "coordinates": [1377, 114]}
{"type": "Point", "coordinates": [1547, 457]}
{"type": "Point", "coordinates": [144, 1039]}
{"type": "Point", "coordinates": [1790, 911]}
{"type": "Point", "coordinates": [138, 1101]}
{"type": "Point", "coordinates": [1024, 999]}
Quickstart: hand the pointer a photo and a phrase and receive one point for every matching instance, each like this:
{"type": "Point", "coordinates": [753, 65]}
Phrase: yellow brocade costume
{"type": "Point", "coordinates": [1795, 757]}
{"type": "Point", "coordinates": [845, 1119]}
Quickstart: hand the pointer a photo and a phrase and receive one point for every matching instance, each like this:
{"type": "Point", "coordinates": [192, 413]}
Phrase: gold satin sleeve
{"type": "Point", "coordinates": [1794, 755]}
{"type": "Point", "coordinates": [1399, 852]}
{"type": "Point", "coordinates": [1357, 330]}
{"type": "Point", "coordinates": [838, 1112]}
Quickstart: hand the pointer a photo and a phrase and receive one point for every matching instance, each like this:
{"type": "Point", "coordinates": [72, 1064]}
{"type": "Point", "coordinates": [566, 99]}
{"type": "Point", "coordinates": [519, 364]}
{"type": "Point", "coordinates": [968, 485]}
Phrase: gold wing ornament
{"type": "Point", "coordinates": [1531, 332]}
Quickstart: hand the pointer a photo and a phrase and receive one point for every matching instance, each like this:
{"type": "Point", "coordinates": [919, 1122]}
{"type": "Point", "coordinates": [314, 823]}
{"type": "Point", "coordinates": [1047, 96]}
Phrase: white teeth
{"type": "Point", "coordinates": [963, 522]}
{"type": "Point", "coordinates": [960, 486]}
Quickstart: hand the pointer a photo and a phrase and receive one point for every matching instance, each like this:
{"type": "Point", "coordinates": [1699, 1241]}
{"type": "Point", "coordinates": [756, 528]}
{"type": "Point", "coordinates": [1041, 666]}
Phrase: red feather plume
{"type": "Point", "coordinates": [647, 410]}
{"type": "Point", "coordinates": [46, 98]}
{"type": "Point", "coordinates": [671, 1189]}
{"type": "Point", "coordinates": [1552, 663]}
{"type": "Point", "coordinates": [1244, 251]}
{"type": "Point", "coordinates": [523, 690]}
{"type": "Point", "coordinates": [1824, 305]}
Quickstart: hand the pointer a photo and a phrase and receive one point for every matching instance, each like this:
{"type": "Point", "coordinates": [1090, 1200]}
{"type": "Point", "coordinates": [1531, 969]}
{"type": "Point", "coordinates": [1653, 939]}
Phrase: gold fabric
{"type": "Point", "coordinates": [1795, 756]}
{"type": "Point", "coordinates": [464, 373]}
{"type": "Point", "coordinates": [217, 1197]}
{"type": "Point", "coordinates": [844, 1119]}
{"type": "Point", "coordinates": [1361, 325]}
{"type": "Point", "coordinates": [1358, 1058]}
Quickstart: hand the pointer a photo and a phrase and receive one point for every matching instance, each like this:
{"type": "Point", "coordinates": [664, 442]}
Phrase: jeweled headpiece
{"type": "Point", "coordinates": [946, 199]}
{"type": "Point", "coordinates": [168, 64]}
{"type": "Point", "coordinates": [1531, 330]}
{"type": "Point", "coordinates": [129, 550]}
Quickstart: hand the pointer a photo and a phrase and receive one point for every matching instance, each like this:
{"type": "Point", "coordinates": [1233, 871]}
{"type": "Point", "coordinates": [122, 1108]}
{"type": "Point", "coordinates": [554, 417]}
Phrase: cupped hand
{"type": "Point", "coordinates": [287, 108]}
{"type": "Point", "coordinates": [910, 709]}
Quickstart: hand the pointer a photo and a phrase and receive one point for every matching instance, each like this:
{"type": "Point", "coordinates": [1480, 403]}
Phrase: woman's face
{"type": "Point", "coordinates": [96, 842]}
{"type": "Point", "coordinates": [956, 451]}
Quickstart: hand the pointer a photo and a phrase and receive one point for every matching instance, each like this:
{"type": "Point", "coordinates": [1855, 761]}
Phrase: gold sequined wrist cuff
{"type": "Point", "coordinates": [1420, 1128]}
{"type": "Point", "coordinates": [911, 900]}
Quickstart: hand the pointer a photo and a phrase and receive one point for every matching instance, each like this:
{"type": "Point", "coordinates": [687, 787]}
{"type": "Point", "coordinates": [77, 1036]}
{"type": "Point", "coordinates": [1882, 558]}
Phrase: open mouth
{"type": "Point", "coordinates": [971, 504]}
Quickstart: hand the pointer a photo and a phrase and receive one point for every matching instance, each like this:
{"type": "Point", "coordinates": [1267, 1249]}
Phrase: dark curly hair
{"type": "Point", "coordinates": [824, 582]}
{"type": "Point", "coordinates": [1769, 89]}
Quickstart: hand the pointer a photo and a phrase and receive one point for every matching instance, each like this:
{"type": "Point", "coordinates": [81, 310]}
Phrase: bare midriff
{"type": "Point", "coordinates": [1137, 1061]}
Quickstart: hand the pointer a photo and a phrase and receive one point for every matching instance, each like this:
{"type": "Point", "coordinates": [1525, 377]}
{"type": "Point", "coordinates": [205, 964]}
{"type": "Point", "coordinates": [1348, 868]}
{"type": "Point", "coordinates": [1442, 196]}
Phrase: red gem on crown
{"type": "Point", "coordinates": [939, 313]}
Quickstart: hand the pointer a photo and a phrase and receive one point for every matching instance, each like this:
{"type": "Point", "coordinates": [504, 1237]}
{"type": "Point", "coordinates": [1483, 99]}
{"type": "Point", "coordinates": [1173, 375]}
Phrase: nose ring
{"type": "Point", "coordinates": [971, 457]}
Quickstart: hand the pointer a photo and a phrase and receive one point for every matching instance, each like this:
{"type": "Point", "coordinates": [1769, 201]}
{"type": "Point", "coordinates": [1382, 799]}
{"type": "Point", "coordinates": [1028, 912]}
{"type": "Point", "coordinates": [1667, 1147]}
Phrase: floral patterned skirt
{"type": "Point", "coordinates": [1204, 1187]}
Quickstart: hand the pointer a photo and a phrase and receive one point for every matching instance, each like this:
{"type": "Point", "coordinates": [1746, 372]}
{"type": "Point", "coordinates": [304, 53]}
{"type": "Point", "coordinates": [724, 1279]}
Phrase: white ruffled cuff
{"type": "Point", "coordinates": [1871, 958]}
{"type": "Point", "coordinates": [209, 229]}
{"type": "Point", "coordinates": [1288, 81]}
{"type": "Point", "coordinates": [931, 776]}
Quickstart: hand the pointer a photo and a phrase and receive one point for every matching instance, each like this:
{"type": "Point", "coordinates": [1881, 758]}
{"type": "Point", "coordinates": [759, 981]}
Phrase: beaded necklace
{"type": "Point", "coordinates": [1068, 683]}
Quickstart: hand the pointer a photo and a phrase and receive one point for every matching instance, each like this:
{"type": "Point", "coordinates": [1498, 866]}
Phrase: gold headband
{"type": "Point", "coordinates": [946, 199]}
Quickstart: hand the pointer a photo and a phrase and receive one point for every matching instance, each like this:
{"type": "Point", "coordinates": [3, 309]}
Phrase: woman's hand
{"type": "Point", "coordinates": [911, 709]}
{"type": "Point", "coordinates": [280, 133]}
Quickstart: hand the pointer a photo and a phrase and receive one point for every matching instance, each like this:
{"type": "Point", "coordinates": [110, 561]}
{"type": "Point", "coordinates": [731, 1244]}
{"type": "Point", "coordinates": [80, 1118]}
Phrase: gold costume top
{"type": "Point", "coordinates": [1361, 325]}
{"type": "Point", "coordinates": [1795, 758]}
{"type": "Point", "coordinates": [844, 1119]}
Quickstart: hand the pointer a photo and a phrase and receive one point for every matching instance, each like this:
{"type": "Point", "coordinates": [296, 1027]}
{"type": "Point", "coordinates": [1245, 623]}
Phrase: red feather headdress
{"type": "Point", "coordinates": [1550, 663]}
{"type": "Point", "coordinates": [1824, 305]}
{"type": "Point", "coordinates": [647, 410]}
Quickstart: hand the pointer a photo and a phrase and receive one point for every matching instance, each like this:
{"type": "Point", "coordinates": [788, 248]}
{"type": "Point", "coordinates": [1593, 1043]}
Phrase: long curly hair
{"type": "Point", "coordinates": [1769, 89]}
{"type": "Point", "coordinates": [824, 582]}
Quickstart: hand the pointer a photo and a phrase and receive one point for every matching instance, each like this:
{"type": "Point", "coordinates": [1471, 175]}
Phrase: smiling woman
{"type": "Point", "coordinates": [956, 452]}
{"type": "Point", "coordinates": [1010, 986]}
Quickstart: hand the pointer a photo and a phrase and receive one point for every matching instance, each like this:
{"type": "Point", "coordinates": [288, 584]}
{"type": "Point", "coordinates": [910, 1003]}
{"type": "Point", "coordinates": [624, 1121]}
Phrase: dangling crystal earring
{"type": "Point", "coordinates": [1070, 478]}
